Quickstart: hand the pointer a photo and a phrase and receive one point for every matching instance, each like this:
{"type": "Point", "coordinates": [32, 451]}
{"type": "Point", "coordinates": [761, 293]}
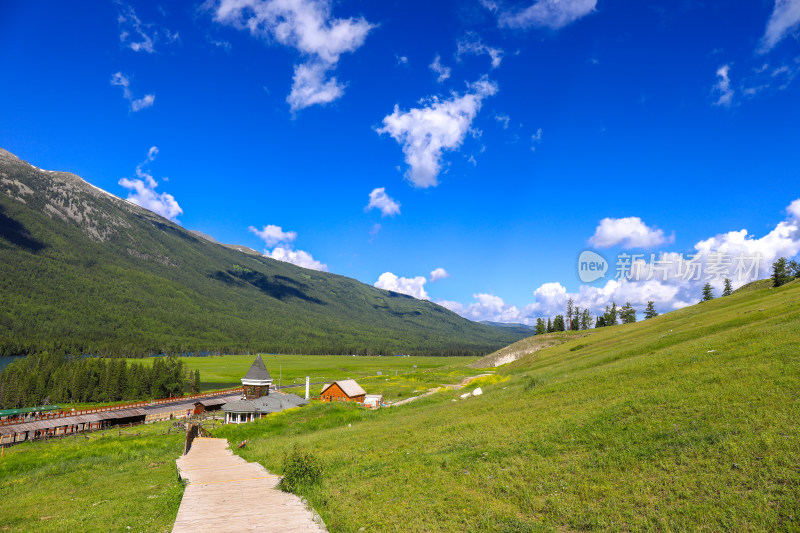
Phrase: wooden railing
{"type": "Point", "coordinates": [76, 412]}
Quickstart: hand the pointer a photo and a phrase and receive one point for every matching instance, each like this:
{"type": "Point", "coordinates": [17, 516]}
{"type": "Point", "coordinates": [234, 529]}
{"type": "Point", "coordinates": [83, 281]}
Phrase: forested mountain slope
{"type": "Point", "coordinates": [83, 271]}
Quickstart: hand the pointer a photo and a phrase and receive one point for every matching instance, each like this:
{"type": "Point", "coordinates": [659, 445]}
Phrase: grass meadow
{"type": "Point", "coordinates": [685, 421]}
{"type": "Point", "coordinates": [219, 372]}
{"type": "Point", "coordinates": [107, 482]}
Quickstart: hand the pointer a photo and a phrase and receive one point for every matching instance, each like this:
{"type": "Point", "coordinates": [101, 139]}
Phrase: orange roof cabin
{"type": "Point", "coordinates": [346, 390]}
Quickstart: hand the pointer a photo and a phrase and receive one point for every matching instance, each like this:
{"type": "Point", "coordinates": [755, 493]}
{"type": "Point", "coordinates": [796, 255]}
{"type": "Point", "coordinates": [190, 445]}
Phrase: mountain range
{"type": "Point", "coordinates": [83, 271]}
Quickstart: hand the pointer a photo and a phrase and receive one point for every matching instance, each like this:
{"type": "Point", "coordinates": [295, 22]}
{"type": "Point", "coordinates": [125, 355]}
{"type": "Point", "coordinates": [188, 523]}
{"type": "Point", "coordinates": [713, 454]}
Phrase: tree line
{"type": "Point", "coordinates": [783, 271]}
{"type": "Point", "coordinates": [46, 378]}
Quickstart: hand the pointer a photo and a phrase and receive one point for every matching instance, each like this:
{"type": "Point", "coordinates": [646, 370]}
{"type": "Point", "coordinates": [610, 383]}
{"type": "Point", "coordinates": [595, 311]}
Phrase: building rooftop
{"type": "Point", "coordinates": [258, 371]}
{"type": "Point", "coordinates": [348, 386]}
{"type": "Point", "coordinates": [265, 404]}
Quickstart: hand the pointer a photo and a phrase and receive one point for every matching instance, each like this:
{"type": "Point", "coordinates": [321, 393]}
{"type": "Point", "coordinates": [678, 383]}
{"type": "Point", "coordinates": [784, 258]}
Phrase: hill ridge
{"type": "Point", "coordinates": [89, 272]}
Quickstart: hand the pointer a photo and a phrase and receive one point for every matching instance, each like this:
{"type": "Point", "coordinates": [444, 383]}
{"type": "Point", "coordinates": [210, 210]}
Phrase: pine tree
{"type": "Point", "coordinates": [575, 322]}
{"type": "Point", "coordinates": [650, 310]}
{"type": "Point", "coordinates": [780, 273]}
{"type": "Point", "coordinates": [708, 293]}
{"type": "Point", "coordinates": [728, 290]}
{"type": "Point", "coordinates": [611, 315]}
{"type": "Point", "coordinates": [558, 323]}
{"type": "Point", "coordinates": [541, 328]}
{"type": "Point", "coordinates": [570, 310]}
{"type": "Point", "coordinates": [600, 322]}
{"type": "Point", "coordinates": [793, 269]}
{"type": "Point", "coordinates": [549, 326]}
{"type": "Point", "coordinates": [586, 319]}
{"type": "Point", "coordinates": [627, 313]}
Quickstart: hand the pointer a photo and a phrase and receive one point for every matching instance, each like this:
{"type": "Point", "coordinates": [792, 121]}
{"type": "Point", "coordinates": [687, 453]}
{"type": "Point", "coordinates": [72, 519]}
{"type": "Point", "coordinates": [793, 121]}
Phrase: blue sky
{"type": "Point", "coordinates": [494, 140]}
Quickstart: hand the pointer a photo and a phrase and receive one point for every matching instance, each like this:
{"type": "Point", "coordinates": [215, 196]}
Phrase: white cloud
{"type": "Point", "coordinates": [553, 14]}
{"type": "Point", "coordinates": [142, 103]}
{"type": "Point", "coordinates": [794, 209]}
{"type": "Point", "coordinates": [411, 286]}
{"type": "Point", "coordinates": [438, 274]}
{"type": "Point", "coordinates": [425, 132]}
{"type": "Point", "coordinates": [139, 36]}
{"type": "Point", "coordinates": [378, 199]}
{"type": "Point", "coordinates": [401, 60]}
{"type": "Point", "coordinates": [373, 232]}
{"type": "Point", "coordinates": [536, 138]}
{"type": "Point", "coordinates": [671, 280]}
{"type": "Point", "coordinates": [310, 86]}
{"type": "Point", "coordinates": [486, 307]}
{"type": "Point", "coordinates": [629, 232]}
{"type": "Point", "coordinates": [723, 87]}
{"type": "Point", "coordinates": [273, 235]}
{"type": "Point", "coordinates": [143, 191]}
{"type": "Point", "coordinates": [785, 18]}
{"type": "Point", "coordinates": [296, 257]}
{"type": "Point", "coordinates": [307, 26]}
{"type": "Point", "coordinates": [472, 44]}
{"type": "Point", "coordinates": [438, 68]}
{"type": "Point", "coordinates": [119, 79]}
{"type": "Point", "coordinates": [503, 119]}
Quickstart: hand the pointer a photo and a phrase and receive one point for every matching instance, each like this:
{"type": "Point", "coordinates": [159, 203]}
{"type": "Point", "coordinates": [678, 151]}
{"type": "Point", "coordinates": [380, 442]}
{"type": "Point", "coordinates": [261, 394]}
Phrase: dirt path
{"type": "Point", "coordinates": [225, 493]}
{"type": "Point", "coordinates": [451, 386]}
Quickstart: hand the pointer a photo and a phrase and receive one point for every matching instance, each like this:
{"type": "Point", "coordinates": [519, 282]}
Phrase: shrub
{"type": "Point", "coordinates": [300, 469]}
{"type": "Point", "coordinates": [531, 382]}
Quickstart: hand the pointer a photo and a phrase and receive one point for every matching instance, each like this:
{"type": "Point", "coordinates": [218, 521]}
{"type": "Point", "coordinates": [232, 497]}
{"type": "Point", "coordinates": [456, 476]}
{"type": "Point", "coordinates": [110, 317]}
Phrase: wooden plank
{"type": "Point", "coordinates": [226, 493]}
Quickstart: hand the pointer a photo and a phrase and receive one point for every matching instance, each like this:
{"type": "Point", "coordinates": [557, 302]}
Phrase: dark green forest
{"type": "Point", "coordinates": [83, 272]}
{"type": "Point", "coordinates": [52, 378]}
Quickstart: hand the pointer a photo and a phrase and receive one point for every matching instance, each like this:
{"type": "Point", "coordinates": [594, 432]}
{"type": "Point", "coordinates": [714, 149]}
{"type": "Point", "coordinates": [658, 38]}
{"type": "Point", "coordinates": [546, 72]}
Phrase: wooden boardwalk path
{"type": "Point", "coordinates": [226, 493]}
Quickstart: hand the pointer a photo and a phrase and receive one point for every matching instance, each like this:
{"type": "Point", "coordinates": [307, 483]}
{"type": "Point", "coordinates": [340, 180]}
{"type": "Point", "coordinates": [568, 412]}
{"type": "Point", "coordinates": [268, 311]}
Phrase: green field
{"type": "Point", "coordinates": [106, 482]}
{"type": "Point", "coordinates": [684, 422]}
{"type": "Point", "coordinates": [221, 372]}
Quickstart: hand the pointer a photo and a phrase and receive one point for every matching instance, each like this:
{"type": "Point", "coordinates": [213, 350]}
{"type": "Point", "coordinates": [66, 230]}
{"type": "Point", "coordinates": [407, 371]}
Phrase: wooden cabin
{"type": "Point", "coordinates": [346, 390]}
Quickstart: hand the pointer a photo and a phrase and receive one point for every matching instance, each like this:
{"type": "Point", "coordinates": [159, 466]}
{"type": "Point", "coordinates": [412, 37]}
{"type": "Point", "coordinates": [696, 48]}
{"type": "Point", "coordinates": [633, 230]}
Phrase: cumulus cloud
{"type": "Point", "coordinates": [553, 14]}
{"type": "Point", "coordinates": [309, 27]}
{"type": "Point", "coordinates": [486, 307]}
{"type": "Point", "coordinates": [629, 232]}
{"type": "Point", "coordinates": [296, 257]}
{"type": "Point", "coordinates": [142, 191]}
{"type": "Point", "coordinates": [378, 199]}
{"type": "Point", "coordinates": [794, 209]}
{"type": "Point", "coordinates": [785, 19]}
{"type": "Point", "coordinates": [273, 235]}
{"type": "Point", "coordinates": [671, 280]}
{"type": "Point", "coordinates": [438, 274]}
{"type": "Point", "coordinates": [311, 86]}
{"type": "Point", "coordinates": [119, 79]}
{"type": "Point", "coordinates": [424, 133]}
{"type": "Point", "coordinates": [438, 68]}
{"type": "Point", "coordinates": [471, 44]}
{"type": "Point", "coordinates": [411, 286]}
{"type": "Point", "coordinates": [280, 241]}
{"type": "Point", "coordinates": [723, 87]}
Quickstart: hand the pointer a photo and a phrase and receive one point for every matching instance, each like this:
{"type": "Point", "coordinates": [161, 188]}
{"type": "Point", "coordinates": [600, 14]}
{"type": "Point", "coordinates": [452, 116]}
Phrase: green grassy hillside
{"type": "Point", "coordinates": [106, 482]}
{"type": "Point", "coordinates": [686, 421]}
{"type": "Point", "coordinates": [83, 271]}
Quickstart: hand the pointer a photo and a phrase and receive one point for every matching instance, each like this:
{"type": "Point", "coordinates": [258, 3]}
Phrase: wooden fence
{"type": "Point", "coordinates": [76, 412]}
